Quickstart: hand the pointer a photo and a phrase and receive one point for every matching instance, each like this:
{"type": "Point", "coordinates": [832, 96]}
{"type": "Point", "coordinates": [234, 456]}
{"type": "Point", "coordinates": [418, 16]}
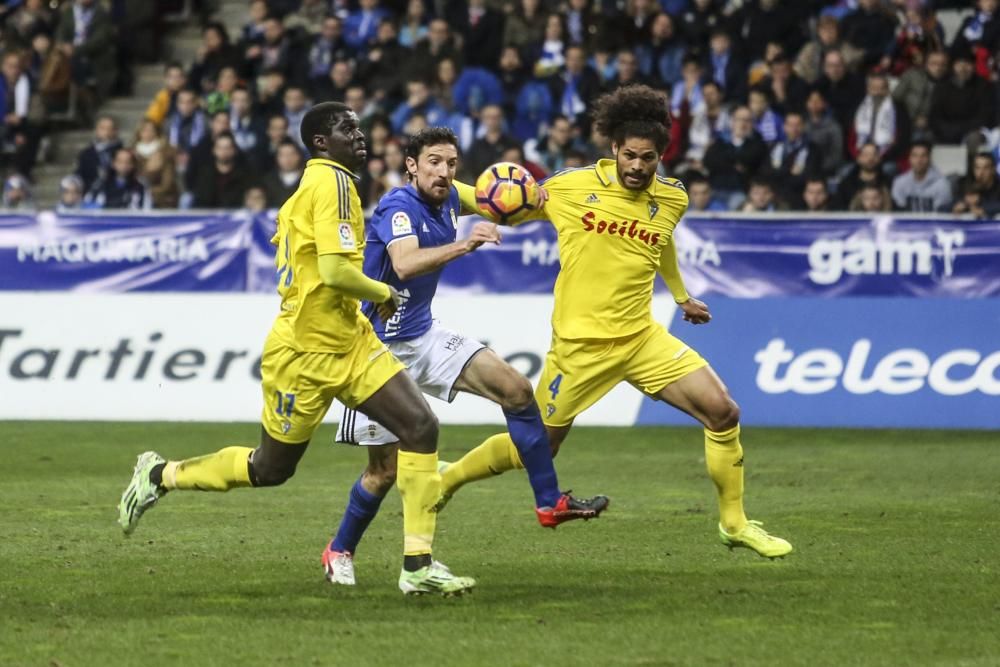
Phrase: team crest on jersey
{"type": "Point", "coordinates": [592, 199]}
{"type": "Point", "coordinates": [346, 233]}
{"type": "Point", "coordinates": [550, 410]}
{"type": "Point", "coordinates": [372, 429]}
{"type": "Point", "coordinates": [401, 224]}
{"type": "Point", "coordinates": [653, 208]}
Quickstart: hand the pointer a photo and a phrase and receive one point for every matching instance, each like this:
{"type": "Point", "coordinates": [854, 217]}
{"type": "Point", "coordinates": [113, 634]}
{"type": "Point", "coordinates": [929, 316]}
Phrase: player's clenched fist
{"type": "Point", "coordinates": [695, 311]}
{"type": "Point", "coordinates": [390, 305]}
{"type": "Point", "coordinates": [483, 232]}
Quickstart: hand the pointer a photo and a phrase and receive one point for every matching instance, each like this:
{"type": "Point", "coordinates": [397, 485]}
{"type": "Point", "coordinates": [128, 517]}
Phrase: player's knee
{"type": "Point", "coordinates": [519, 395]}
{"type": "Point", "coordinates": [265, 475]}
{"type": "Point", "coordinates": [423, 434]}
{"type": "Point", "coordinates": [724, 415]}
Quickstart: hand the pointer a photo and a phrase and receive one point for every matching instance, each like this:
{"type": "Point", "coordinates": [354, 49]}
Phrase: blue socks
{"type": "Point", "coordinates": [361, 509]}
{"type": "Point", "coordinates": [532, 442]}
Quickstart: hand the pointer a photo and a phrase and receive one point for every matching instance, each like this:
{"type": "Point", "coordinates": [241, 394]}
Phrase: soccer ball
{"type": "Point", "coordinates": [506, 193]}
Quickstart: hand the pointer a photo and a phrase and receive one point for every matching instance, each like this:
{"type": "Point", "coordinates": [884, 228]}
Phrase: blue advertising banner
{"type": "Point", "coordinates": [125, 253]}
{"type": "Point", "coordinates": [852, 361]}
{"type": "Point", "coordinates": [734, 256]}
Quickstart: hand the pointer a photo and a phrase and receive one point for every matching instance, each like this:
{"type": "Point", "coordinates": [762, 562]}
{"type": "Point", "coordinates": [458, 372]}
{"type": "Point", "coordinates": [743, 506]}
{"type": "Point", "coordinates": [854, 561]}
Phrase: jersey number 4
{"type": "Point", "coordinates": [554, 386]}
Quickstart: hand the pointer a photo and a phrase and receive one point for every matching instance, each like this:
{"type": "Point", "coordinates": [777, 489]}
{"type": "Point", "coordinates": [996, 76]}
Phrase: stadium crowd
{"type": "Point", "coordinates": [777, 104]}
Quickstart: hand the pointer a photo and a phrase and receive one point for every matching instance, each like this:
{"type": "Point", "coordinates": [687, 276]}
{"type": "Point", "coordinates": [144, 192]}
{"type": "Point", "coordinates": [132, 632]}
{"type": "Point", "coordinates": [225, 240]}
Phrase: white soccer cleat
{"type": "Point", "coordinates": [338, 567]}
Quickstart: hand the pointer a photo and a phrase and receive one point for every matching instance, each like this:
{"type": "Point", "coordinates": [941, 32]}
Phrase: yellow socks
{"type": "Point", "coordinates": [225, 469]}
{"type": "Point", "coordinates": [724, 458]}
{"type": "Point", "coordinates": [496, 455]}
{"type": "Point", "coordinates": [419, 485]}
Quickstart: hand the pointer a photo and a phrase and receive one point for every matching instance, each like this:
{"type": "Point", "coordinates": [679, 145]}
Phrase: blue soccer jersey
{"type": "Point", "coordinates": [402, 214]}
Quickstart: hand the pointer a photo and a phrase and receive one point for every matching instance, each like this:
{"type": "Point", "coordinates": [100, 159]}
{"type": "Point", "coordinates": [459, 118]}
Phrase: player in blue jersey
{"type": "Point", "coordinates": [409, 240]}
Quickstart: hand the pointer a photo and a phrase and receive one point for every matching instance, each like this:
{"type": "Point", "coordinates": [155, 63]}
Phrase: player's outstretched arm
{"type": "Point", "coordinates": [695, 311]}
{"type": "Point", "coordinates": [410, 260]}
{"type": "Point", "coordinates": [337, 271]}
{"type": "Point", "coordinates": [467, 197]}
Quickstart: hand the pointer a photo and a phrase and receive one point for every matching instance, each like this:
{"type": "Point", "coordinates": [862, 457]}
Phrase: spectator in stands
{"type": "Point", "coordinates": [787, 91]}
{"type": "Point", "coordinates": [515, 154]}
{"type": "Point", "coordinates": [327, 48]}
{"type": "Point", "coordinates": [361, 26]}
{"type": "Point", "coordinates": [31, 18]}
{"type": "Point", "coordinates": [725, 68]}
{"type": "Point", "coordinates": [219, 98]}
{"type": "Point", "coordinates": [970, 202]}
{"type": "Point", "coordinates": [333, 86]}
{"type": "Point", "coordinates": [709, 121]}
{"type": "Point", "coordinates": [482, 29]}
{"type": "Point", "coordinates": [915, 91]}
{"type": "Point", "coordinates": [980, 34]}
{"type": "Point", "coordinates": [222, 182]}
{"type": "Point", "coordinates": [121, 187]}
{"type": "Point", "coordinates": [440, 44]}
{"type": "Point", "coordinates": [767, 21]}
{"type": "Point", "coordinates": [732, 162]}
{"type": "Point", "coordinates": [214, 53]}
{"type": "Point", "coordinates": [760, 198]}
{"type": "Point", "coordinates": [356, 98]}
{"type": "Point", "coordinates": [576, 87]}
{"type": "Point", "coordinates": [283, 179]}
{"type": "Point", "coordinates": [201, 154]}
{"type": "Point", "coordinates": [86, 35]}
{"type": "Point", "coordinates": [165, 101]}
{"type": "Point", "coordinates": [984, 182]}
{"type": "Point", "coordinates": [418, 101]}
{"type": "Point", "coordinates": [662, 55]}
{"type": "Point", "coordinates": [94, 161]}
{"type": "Point", "coordinates": [383, 67]}
{"type": "Point", "coordinates": [413, 25]}
{"type": "Point", "coordinates": [876, 120]}
{"type": "Point", "coordinates": [809, 63]}
{"type": "Point", "coordinates": [255, 200]}
{"type": "Point", "coordinates": [550, 151]}
{"type": "Point", "coordinates": [296, 106]}
{"type": "Point", "coordinates": [700, 196]}
{"type": "Point", "coordinates": [815, 196]}
{"type": "Point", "coordinates": [278, 51]}
{"type": "Point", "coordinates": [271, 92]}
{"type": "Point", "coordinates": [17, 193]}
{"type": "Point", "coordinates": [794, 159]}
{"type": "Point", "coordinates": [70, 194]}
{"type": "Point", "coordinates": [871, 198]}
{"type": "Point", "coordinates": [157, 165]}
{"type": "Point", "coordinates": [248, 129]}
{"type": "Point", "coordinates": [266, 153]}
{"type": "Point", "coordinates": [700, 20]}
{"type": "Point", "coordinates": [825, 133]}
{"type": "Point", "coordinates": [253, 29]}
{"type": "Point", "coordinates": [627, 71]}
{"type": "Point", "coordinates": [549, 56]}
{"type": "Point", "coordinates": [492, 141]}
{"type": "Point", "coordinates": [686, 96]}
{"type": "Point", "coordinates": [525, 29]}
{"type": "Point", "coordinates": [922, 189]}
{"type": "Point", "coordinates": [842, 90]}
{"type": "Point", "coordinates": [919, 34]}
{"type": "Point", "coordinates": [18, 135]}
{"type": "Point", "coordinates": [186, 127]}
{"type": "Point", "coordinates": [767, 123]}
{"type": "Point", "coordinates": [872, 29]}
{"type": "Point", "coordinates": [962, 103]}
{"type": "Point", "coordinates": [474, 89]}
{"type": "Point", "coordinates": [867, 168]}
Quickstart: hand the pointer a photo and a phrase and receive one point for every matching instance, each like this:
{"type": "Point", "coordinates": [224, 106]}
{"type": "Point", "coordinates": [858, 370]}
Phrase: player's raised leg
{"type": "Point", "coordinates": [702, 395]}
{"type": "Point", "coordinates": [527, 444]}
{"type": "Point", "coordinates": [362, 506]}
{"type": "Point", "coordinates": [401, 408]}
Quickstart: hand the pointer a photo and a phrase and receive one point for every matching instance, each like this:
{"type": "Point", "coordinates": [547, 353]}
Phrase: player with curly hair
{"type": "Point", "coordinates": [615, 221]}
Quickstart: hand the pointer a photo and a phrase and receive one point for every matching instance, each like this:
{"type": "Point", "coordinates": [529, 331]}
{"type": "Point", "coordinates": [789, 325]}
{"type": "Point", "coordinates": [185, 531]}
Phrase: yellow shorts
{"type": "Point", "coordinates": [299, 387]}
{"type": "Point", "coordinates": [578, 373]}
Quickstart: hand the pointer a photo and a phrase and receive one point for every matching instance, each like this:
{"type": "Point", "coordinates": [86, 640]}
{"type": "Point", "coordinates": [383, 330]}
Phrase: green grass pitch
{"type": "Point", "coordinates": [896, 540]}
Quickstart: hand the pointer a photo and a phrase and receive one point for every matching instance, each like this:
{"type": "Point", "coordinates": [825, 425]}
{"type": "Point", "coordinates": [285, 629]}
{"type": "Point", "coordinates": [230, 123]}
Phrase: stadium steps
{"type": "Point", "coordinates": [950, 159]}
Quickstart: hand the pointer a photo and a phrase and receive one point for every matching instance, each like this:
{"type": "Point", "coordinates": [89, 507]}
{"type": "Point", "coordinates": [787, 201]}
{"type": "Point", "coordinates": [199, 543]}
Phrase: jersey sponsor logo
{"type": "Point", "coordinates": [903, 371]}
{"type": "Point", "coordinates": [830, 259]}
{"type": "Point", "coordinates": [401, 224]}
{"type": "Point", "coordinates": [346, 233]}
{"type": "Point", "coordinates": [620, 228]}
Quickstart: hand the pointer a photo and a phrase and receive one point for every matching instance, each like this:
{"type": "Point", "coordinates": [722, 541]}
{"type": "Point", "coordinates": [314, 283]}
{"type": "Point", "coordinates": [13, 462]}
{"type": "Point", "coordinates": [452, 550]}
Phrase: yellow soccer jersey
{"type": "Point", "coordinates": [610, 243]}
{"type": "Point", "coordinates": [323, 216]}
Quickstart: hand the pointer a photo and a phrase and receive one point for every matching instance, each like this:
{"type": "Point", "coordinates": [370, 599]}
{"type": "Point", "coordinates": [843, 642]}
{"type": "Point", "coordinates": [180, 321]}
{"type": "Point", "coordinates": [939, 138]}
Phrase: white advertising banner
{"type": "Point", "coordinates": [195, 357]}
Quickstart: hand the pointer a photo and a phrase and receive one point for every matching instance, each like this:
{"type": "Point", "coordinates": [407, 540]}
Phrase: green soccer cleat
{"type": "Point", "coordinates": [434, 578]}
{"type": "Point", "coordinates": [753, 536]}
{"type": "Point", "coordinates": [141, 493]}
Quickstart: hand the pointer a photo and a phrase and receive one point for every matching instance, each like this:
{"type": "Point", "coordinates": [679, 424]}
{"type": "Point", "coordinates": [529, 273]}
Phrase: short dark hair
{"type": "Point", "coordinates": [430, 136]}
{"type": "Point", "coordinates": [634, 111]}
{"type": "Point", "coordinates": [922, 143]}
{"type": "Point", "coordinates": [984, 154]}
{"type": "Point", "coordinates": [320, 120]}
{"type": "Point", "coordinates": [695, 177]}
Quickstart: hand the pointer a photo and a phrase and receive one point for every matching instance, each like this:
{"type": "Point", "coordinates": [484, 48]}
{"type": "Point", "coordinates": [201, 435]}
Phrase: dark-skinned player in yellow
{"type": "Point", "coordinates": [615, 220]}
{"type": "Point", "coordinates": [320, 348]}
